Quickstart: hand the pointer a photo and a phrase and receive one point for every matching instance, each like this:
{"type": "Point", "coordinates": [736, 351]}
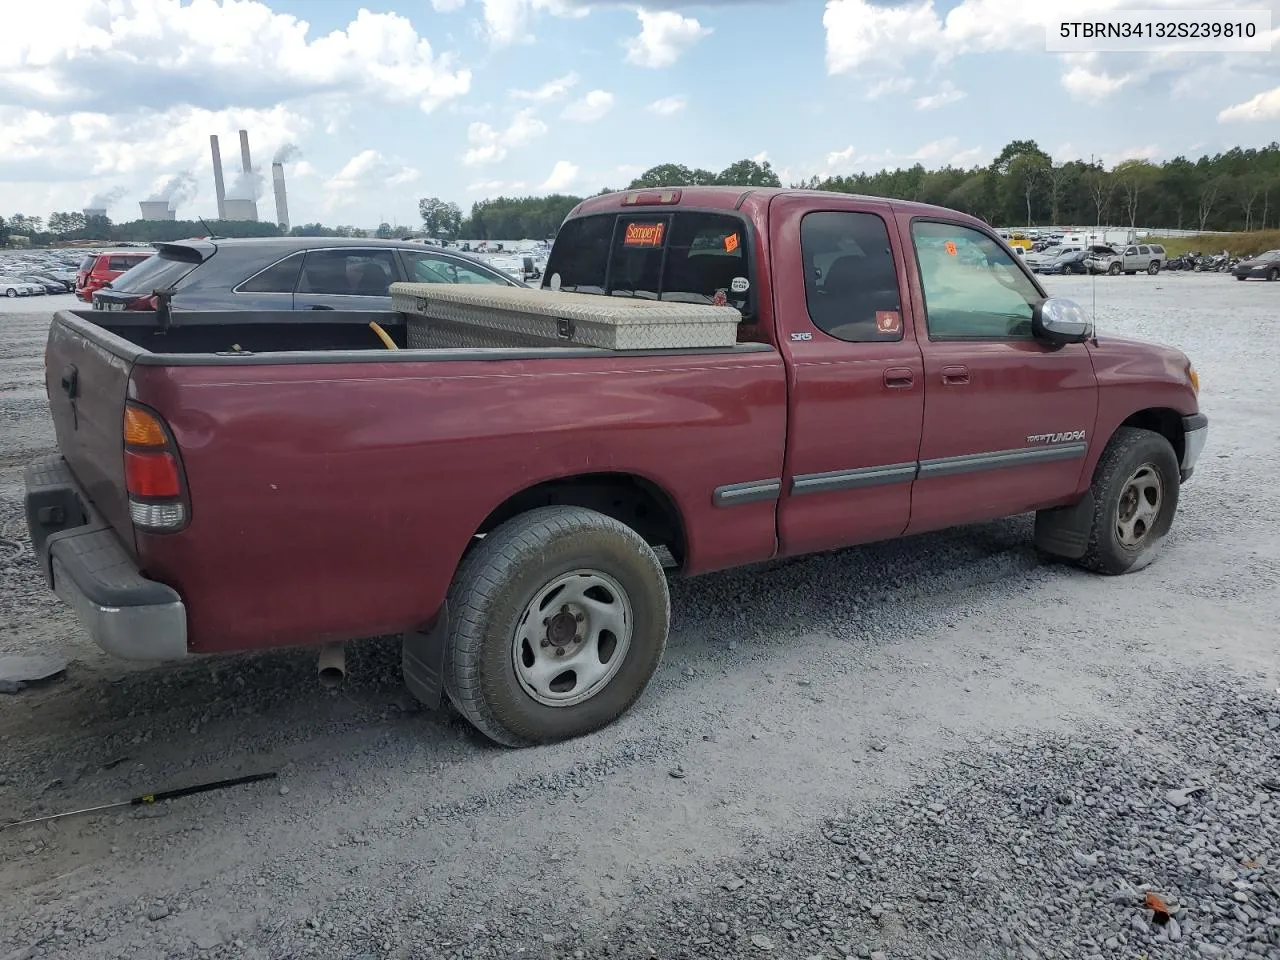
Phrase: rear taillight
{"type": "Point", "coordinates": [152, 472]}
{"type": "Point", "coordinates": [143, 303]}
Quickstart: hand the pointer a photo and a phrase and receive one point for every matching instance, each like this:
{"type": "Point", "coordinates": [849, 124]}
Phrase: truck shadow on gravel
{"type": "Point", "coordinates": [858, 593]}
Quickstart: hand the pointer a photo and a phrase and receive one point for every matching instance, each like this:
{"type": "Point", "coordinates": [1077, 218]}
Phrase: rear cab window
{"type": "Point", "coordinates": [681, 257]}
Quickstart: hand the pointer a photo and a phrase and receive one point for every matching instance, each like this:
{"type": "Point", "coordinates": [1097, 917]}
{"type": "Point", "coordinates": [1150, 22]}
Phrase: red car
{"type": "Point", "coordinates": [99, 269]}
{"type": "Point", "coordinates": [237, 481]}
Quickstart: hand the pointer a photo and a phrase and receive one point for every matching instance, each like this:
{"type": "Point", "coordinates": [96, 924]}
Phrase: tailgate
{"type": "Point", "coordinates": [87, 384]}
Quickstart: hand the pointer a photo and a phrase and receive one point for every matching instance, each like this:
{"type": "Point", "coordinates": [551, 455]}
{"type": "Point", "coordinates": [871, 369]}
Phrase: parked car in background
{"type": "Point", "coordinates": [99, 269]}
{"type": "Point", "coordinates": [1071, 261]}
{"type": "Point", "coordinates": [288, 273]}
{"type": "Point", "coordinates": [17, 287]}
{"type": "Point", "coordinates": [1265, 266]}
{"type": "Point", "coordinates": [1043, 262]}
{"type": "Point", "coordinates": [50, 285]}
{"type": "Point", "coordinates": [1135, 258]}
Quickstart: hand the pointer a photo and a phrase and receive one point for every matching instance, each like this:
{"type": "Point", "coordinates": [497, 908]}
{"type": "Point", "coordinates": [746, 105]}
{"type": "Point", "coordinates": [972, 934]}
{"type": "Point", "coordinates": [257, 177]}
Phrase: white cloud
{"type": "Point", "coordinates": [551, 90]}
{"type": "Point", "coordinates": [869, 37]}
{"type": "Point", "coordinates": [590, 108]}
{"type": "Point", "coordinates": [947, 94]}
{"type": "Point", "coordinates": [447, 6]}
{"type": "Point", "coordinates": [369, 168]}
{"type": "Point", "coordinates": [889, 85]}
{"type": "Point", "coordinates": [664, 36]}
{"type": "Point", "coordinates": [75, 151]}
{"type": "Point", "coordinates": [489, 145]}
{"type": "Point", "coordinates": [1264, 106]}
{"type": "Point", "coordinates": [668, 106]}
{"type": "Point", "coordinates": [936, 153]}
{"type": "Point", "coordinates": [563, 175]}
{"type": "Point", "coordinates": [157, 53]}
{"type": "Point", "coordinates": [508, 21]}
{"type": "Point", "coordinates": [762, 157]}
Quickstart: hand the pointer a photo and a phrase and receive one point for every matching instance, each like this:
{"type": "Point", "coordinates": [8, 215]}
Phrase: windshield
{"type": "Point", "coordinates": [155, 273]}
{"type": "Point", "coordinates": [682, 257]}
{"type": "Point", "coordinates": [1269, 256]}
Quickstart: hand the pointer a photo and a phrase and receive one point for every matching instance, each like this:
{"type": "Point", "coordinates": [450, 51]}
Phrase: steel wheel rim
{"type": "Point", "coordinates": [1138, 509]}
{"type": "Point", "coordinates": [573, 638]}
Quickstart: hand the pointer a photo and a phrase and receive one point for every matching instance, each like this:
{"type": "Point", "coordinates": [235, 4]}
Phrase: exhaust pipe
{"type": "Point", "coordinates": [332, 666]}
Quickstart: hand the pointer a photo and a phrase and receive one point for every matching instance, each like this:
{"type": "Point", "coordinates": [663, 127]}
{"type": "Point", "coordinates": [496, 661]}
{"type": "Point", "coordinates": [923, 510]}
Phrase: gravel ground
{"type": "Point", "coordinates": [939, 748]}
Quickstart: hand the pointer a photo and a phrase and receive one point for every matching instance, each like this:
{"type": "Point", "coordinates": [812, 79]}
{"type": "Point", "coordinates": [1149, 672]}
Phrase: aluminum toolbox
{"type": "Point", "coordinates": [481, 315]}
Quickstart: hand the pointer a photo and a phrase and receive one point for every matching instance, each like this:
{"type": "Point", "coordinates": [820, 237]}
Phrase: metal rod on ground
{"type": "Point", "coordinates": [147, 799]}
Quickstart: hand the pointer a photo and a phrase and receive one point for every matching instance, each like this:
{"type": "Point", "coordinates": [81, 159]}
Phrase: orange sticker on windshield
{"type": "Point", "coordinates": [950, 248]}
{"type": "Point", "coordinates": [643, 235]}
{"type": "Point", "coordinates": [888, 321]}
{"type": "Point", "coordinates": [731, 243]}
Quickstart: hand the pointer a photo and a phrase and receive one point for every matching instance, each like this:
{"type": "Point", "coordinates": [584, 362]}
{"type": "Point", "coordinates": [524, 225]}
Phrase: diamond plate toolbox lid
{"type": "Point", "coordinates": [611, 323]}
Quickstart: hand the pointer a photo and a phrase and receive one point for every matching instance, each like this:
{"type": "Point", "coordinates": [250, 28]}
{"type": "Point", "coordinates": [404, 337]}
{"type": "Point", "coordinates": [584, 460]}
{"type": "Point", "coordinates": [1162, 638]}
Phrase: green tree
{"type": "Point", "coordinates": [672, 175]}
{"type": "Point", "coordinates": [748, 173]}
{"type": "Point", "coordinates": [1133, 177]}
{"type": "Point", "coordinates": [384, 231]}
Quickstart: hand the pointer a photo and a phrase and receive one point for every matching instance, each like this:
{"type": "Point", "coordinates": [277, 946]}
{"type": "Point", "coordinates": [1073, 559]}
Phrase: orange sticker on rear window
{"type": "Point", "coordinates": [731, 243]}
{"type": "Point", "coordinates": [950, 248]}
{"type": "Point", "coordinates": [643, 235]}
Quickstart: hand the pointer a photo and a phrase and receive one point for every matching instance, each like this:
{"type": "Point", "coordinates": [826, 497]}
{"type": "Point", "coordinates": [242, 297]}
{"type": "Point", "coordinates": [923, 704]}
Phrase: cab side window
{"type": "Point", "coordinates": [851, 281]}
{"type": "Point", "coordinates": [973, 289]}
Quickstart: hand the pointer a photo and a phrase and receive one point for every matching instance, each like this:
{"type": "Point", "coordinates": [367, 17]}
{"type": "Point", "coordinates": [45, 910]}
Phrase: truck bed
{"type": "Point", "coordinates": [334, 484]}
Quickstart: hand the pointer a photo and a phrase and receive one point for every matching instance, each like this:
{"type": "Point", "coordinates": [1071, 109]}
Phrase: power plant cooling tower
{"type": "Point", "coordinates": [218, 186]}
{"type": "Point", "coordinates": [282, 205]}
{"type": "Point", "coordinates": [156, 210]}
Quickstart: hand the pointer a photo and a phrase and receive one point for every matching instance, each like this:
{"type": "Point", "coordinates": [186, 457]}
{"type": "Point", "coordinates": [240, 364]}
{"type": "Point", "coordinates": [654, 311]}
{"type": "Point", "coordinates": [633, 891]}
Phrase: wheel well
{"type": "Point", "coordinates": [1167, 423]}
{"type": "Point", "coordinates": [635, 501]}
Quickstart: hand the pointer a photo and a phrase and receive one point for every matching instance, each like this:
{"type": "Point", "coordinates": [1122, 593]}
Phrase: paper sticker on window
{"type": "Point", "coordinates": [643, 235]}
{"type": "Point", "coordinates": [739, 284]}
{"type": "Point", "coordinates": [950, 248]}
{"type": "Point", "coordinates": [888, 321]}
{"type": "Point", "coordinates": [731, 243]}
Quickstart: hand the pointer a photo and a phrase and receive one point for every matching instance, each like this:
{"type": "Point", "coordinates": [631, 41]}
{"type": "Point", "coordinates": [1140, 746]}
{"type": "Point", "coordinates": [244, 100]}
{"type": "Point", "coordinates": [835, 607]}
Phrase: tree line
{"type": "Point", "coordinates": [1237, 190]}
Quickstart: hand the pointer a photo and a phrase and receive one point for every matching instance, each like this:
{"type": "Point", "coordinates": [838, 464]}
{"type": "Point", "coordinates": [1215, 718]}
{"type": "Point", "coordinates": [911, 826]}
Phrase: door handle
{"type": "Point", "coordinates": [955, 375]}
{"type": "Point", "coordinates": [899, 378]}
{"type": "Point", "coordinates": [70, 380]}
{"type": "Point", "coordinates": [319, 306]}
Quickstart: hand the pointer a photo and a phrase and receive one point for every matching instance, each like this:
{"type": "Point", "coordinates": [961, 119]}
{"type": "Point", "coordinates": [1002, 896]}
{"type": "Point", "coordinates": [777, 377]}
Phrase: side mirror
{"type": "Point", "coordinates": [1060, 321]}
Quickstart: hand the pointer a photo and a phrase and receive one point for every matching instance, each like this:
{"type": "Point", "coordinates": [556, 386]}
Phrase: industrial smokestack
{"type": "Point", "coordinates": [218, 186]}
{"type": "Point", "coordinates": [244, 151]}
{"type": "Point", "coordinates": [282, 205]}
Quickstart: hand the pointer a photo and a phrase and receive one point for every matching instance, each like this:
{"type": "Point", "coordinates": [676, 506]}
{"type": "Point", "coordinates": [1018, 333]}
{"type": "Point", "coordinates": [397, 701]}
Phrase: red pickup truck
{"type": "Point", "coordinates": [231, 482]}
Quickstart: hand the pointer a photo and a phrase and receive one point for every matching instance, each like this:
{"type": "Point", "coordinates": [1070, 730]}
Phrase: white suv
{"type": "Point", "coordinates": [1148, 257]}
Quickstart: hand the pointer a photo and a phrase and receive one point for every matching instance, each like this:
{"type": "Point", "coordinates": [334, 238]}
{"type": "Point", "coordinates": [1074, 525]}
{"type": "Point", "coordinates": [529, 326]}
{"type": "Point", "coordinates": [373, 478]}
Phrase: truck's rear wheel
{"type": "Point", "coordinates": [1135, 490]}
{"type": "Point", "coordinates": [558, 619]}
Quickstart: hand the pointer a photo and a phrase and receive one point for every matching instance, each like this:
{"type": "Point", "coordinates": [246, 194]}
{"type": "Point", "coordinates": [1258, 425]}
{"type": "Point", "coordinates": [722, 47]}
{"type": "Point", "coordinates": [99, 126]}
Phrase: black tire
{"type": "Point", "coordinates": [11, 293]}
{"type": "Point", "coordinates": [1241, 276]}
{"type": "Point", "coordinates": [1129, 451]}
{"type": "Point", "coordinates": [497, 582]}
{"type": "Point", "coordinates": [1153, 267]}
{"type": "Point", "coordinates": [1273, 273]}
{"type": "Point", "coordinates": [1113, 270]}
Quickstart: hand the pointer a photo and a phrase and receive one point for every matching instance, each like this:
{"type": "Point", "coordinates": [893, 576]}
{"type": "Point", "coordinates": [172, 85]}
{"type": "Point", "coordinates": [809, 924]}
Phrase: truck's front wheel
{"type": "Point", "coordinates": [558, 620]}
{"type": "Point", "coordinates": [1135, 492]}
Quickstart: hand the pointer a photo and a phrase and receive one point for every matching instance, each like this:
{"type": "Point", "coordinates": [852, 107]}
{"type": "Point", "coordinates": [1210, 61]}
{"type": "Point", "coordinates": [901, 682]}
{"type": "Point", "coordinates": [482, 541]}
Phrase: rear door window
{"type": "Point", "coordinates": [851, 281]}
{"type": "Point", "coordinates": [689, 257]}
{"type": "Point", "coordinates": [280, 277]}
{"type": "Point", "coordinates": [349, 272]}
